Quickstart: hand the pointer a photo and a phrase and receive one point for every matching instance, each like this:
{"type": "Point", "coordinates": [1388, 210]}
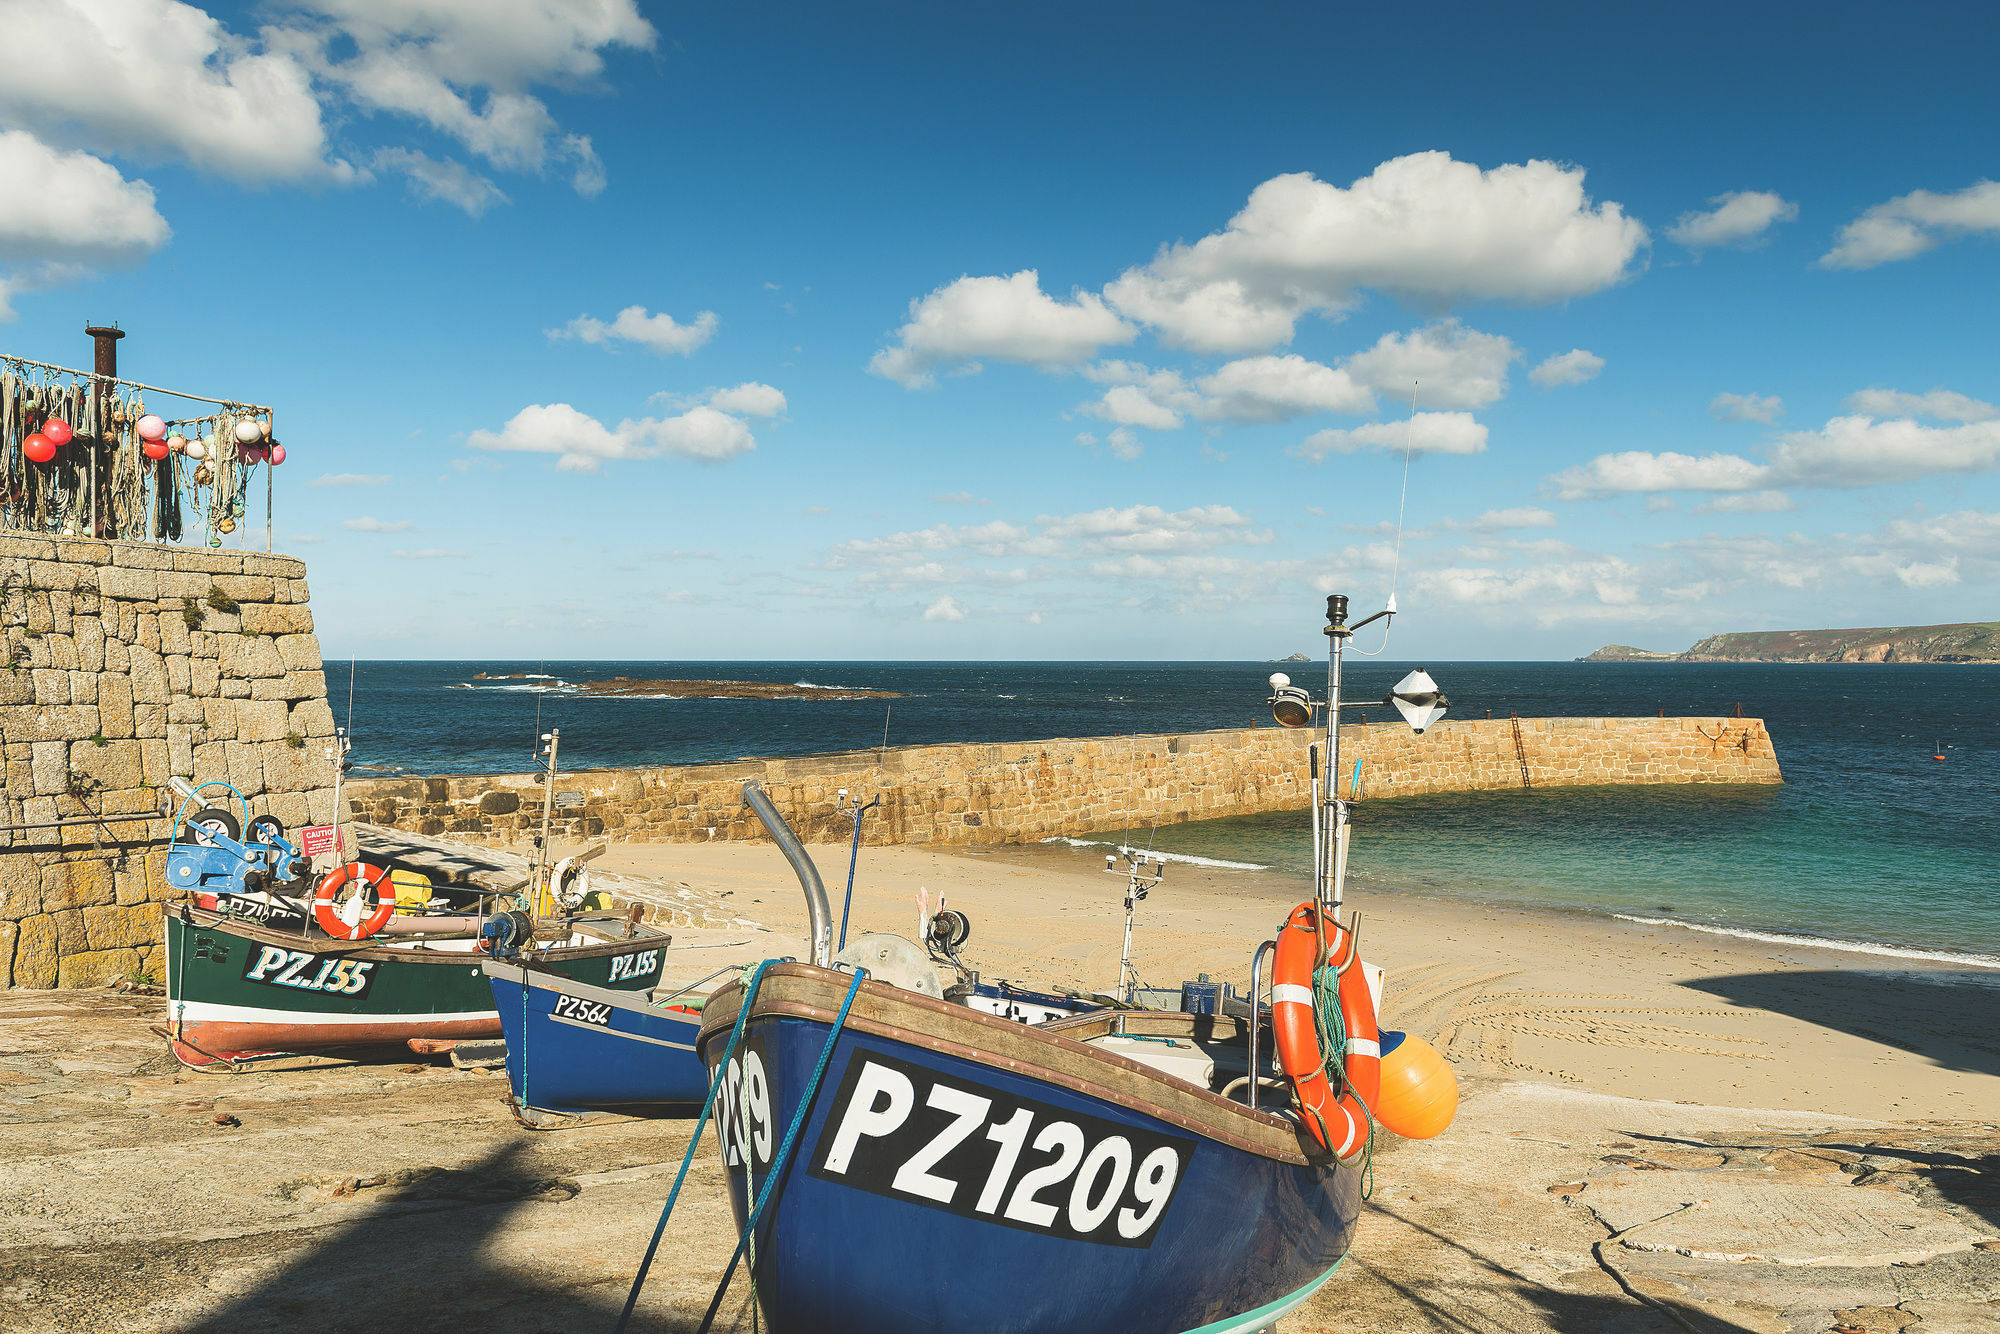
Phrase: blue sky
{"type": "Point", "coordinates": [1047, 332]}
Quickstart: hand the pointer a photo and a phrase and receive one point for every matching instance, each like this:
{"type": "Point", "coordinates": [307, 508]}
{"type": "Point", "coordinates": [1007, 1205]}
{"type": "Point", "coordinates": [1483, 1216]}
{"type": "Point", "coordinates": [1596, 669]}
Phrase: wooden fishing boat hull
{"type": "Point", "coordinates": [237, 988]}
{"type": "Point", "coordinates": [577, 1050]}
{"type": "Point", "coordinates": [952, 1163]}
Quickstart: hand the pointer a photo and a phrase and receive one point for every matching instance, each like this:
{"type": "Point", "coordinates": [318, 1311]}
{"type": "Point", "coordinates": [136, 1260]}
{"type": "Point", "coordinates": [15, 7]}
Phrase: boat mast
{"type": "Point", "coordinates": [536, 884]}
{"type": "Point", "coordinates": [1330, 875]}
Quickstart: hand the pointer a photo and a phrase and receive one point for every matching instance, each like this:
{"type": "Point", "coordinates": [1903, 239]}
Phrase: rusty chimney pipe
{"type": "Point", "coordinates": [107, 349]}
{"type": "Point", "coordinates": [106, 371]}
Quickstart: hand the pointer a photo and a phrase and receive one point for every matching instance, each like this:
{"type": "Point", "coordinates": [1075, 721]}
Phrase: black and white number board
{"type": "Point", "coordinates": [901, 1130]}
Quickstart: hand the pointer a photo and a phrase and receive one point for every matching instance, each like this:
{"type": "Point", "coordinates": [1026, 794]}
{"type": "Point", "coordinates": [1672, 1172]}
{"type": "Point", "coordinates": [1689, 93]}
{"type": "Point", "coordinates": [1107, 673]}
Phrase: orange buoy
{"type": "Point", "coordinates": [1419, 1093]}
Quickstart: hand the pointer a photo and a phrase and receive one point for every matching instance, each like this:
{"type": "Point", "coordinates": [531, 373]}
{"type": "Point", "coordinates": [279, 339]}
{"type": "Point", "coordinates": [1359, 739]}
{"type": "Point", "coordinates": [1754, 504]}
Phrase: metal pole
{"type": "Point", "coordinates": [1332, 879]}
{"type": "Point", "coordinates": [548, 812]}
{"type": "Point", "coordinates": [819, 915]}
{"type": "Point", "coordinates": [1256, 1014]}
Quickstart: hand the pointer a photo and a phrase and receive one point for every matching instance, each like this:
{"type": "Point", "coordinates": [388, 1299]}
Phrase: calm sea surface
{"type": "Point", "coordinates": [1869, 840]}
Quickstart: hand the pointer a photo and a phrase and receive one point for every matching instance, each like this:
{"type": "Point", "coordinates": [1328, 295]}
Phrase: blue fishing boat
{"type": "Point", "coordinates": [901, 1162]}
{"type": "Point", "coordinates": [577, 1052]}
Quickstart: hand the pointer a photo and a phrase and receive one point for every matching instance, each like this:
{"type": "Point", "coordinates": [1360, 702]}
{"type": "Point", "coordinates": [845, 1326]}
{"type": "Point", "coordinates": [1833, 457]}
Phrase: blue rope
{"type": "Point", "coordinates": [708, 1105]}
{"type": "Point", "coordinates": [777, 1171]}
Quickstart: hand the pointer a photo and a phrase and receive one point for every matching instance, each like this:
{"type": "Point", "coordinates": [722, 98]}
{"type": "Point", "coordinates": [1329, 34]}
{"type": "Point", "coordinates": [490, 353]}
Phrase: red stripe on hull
{"type": "Point", "coordinates": [199, 1042]}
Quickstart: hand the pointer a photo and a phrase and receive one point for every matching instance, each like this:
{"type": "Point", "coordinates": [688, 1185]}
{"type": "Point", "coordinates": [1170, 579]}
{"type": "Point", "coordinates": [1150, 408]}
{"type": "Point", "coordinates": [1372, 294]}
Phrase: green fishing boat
{"type": "Point", "coordinates": [238, 988]}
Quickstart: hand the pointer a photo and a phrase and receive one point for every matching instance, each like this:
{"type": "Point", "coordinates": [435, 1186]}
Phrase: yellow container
{"type": "Point", "coordinates": [413, 890]}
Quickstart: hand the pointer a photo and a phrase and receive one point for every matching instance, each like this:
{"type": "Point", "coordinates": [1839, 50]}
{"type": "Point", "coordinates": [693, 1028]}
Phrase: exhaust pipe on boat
{"type": "Point", "coordinates": [781, 833]}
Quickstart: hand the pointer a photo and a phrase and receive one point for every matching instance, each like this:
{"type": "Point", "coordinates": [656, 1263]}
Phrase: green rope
{"type": "Point", "coordinates": [1333, 1051]}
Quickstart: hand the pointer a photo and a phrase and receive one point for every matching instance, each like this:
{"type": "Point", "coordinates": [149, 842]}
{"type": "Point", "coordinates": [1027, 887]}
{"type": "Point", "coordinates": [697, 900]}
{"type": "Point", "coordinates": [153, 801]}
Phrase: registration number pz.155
{"type": "Point", "coordinates": [901, 1130]}
{"type": "Point", "coordinates": [278, 967]}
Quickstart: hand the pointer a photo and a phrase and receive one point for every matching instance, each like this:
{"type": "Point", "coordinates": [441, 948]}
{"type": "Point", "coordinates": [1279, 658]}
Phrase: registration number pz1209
{"type": "Point", "coordinates": [907, 1132]}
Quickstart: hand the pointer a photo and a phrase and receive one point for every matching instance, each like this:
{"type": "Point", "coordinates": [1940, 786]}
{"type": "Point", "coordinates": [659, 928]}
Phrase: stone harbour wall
{"type": "Point", "coordinates": [121, 664]}
{"type": "Point", "coordinates": [1020, 792]}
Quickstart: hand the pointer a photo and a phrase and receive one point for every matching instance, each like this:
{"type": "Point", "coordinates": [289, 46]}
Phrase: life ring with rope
{"type": "Point", "coordinates": [328, 913]}
{"type": "Point", "coordinates": [1340, 1123]}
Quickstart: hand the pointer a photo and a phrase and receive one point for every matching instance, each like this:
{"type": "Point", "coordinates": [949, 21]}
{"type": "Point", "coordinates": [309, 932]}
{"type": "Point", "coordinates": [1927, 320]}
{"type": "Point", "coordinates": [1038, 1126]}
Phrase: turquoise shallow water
{"type": "Point", "coordinates": [1869, 840]}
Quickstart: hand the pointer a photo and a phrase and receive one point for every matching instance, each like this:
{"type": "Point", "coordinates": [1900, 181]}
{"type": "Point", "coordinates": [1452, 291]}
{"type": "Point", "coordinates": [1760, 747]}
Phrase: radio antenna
{"type": "Point", "coordinates": [1402, 500]}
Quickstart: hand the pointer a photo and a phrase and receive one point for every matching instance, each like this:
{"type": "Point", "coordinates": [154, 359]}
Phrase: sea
{"type": "Point", "coordinates": [1884, 838]}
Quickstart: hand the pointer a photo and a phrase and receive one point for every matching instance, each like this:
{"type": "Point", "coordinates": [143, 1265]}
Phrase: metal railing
{"type": "Point", "coordinates": [101, 484]}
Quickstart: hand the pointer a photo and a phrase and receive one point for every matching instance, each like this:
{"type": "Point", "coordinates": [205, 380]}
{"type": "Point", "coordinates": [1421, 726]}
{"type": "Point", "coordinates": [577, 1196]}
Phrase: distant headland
{"type": "Point", "coordinates": [1970, 641]}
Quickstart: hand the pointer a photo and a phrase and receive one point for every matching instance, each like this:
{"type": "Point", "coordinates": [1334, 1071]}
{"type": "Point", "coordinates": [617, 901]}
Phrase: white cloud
{"type": "Point", "coordinates": [1134, 405]}
{"type": "Point", "coordinates": [1572, 367]}
{"type": "Point", "coordinates": [1938, 404]}
{"type": "Point", "coordinates": [1913, 223]}
{"type": "Point", "coordinates": [944, 609]}
{"type": "Point", "coordinates": [1456, 367]}
{"type": "Point", "coordinates": [429, 553]}
{"type": "Point", "coordinates": [1748, 502]}
{"type": "Point", "coordinates": [1252, 389]}
{"type": "Point", "coordinates": [1123, 445]}
{"type": "Point", "coordinates": [369, 524]}
{"type": "Point", "coordinates": [1033, 618]}
{"type": "Point", "coordinates": [1424, 228]}
{"type": "Point", "coordinates": [1276, 389]}
{"type": "Point", "coordinates": [1738, 218]}
{"type": "Point", "coordinates": [1637, 470]}
{"type": "Point", "coordinates": [749, 400]}
{"type": "Point", "coordinates": [156, 78]}
{"type": "Point", "coordinates": [1520, 516]}
{"type": "Point", "coordinates": [581, 442]}
{"type": "Point", "coordinates": [1004, 319]}
{"type": "Point", "coordinates": [657, 333]}
{"type": "Point", "coordinates": [1426, 433]}
{"type": "Point", "coordinates": [62, 213]}
{"type": "Point", "coordinates": [1846, 452]}
{"type": "Point", "coordinates": [1861, 451]}
{"type": "Point", "coordinates": [465, 70]}
{"type": "Point", "coordinates": [352, 479]}
{"type": "Point", "coordinates": [1151, 528]}
{"type": "Point", "coordinates": [446, 181]}
{"type": "Point", "coordinates": [1746, 407]}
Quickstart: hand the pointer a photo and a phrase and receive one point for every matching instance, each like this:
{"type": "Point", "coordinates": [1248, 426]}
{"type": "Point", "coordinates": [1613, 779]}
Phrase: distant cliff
{"type": "Point", "coordinates": [1626, 653]}
{"type": "Point", "coordinates": [1976, 641]}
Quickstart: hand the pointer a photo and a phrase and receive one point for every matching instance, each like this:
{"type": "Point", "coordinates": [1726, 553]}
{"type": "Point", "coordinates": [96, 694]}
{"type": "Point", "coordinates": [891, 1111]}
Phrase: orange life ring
{"type": "Point", "coordinates": [375, 878]}
{"type": "Point", "coordinates": [1340, 1124]}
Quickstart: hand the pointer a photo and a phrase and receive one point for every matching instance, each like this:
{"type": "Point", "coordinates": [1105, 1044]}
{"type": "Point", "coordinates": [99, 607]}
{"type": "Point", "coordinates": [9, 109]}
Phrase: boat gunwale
{"type": "Point", "coordinates": [647, 937]}
{"type": "Point", "coordinates": [1171, 1099]}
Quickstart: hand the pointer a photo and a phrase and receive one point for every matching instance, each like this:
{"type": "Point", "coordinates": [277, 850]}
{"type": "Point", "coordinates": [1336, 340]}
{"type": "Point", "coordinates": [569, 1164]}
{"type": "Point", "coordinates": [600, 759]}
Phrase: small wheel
{"type": "Point", "coordinates": [213, 820]}
{"type": "Point", "coordinates": [267, 829]}
{"type": "Point", "coordinates": [950, 929]}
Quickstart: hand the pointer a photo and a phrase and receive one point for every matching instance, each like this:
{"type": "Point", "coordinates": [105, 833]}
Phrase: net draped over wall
{"type": "Point", "coordinates": [102, 484]}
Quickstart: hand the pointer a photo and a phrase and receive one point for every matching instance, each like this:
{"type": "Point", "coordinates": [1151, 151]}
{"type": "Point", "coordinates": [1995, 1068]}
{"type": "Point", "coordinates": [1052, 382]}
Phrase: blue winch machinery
{"type": "Point", "coordinates": [215, 852]}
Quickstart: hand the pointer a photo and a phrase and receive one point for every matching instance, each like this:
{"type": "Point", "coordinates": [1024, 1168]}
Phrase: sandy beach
{"type": "Point", "coordinates": [1660, 1130]}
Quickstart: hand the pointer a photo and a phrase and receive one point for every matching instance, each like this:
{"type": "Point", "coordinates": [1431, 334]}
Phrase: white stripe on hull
{"type": "Point", "coordinates": [203, 1012]}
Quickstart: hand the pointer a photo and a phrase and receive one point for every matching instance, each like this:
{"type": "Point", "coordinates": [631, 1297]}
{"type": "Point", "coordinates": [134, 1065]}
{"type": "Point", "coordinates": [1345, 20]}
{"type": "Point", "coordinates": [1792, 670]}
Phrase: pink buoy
{"type": "Point", "coordinates": [252, 453]}
{"type": "Point", "coordinates": [151, 427]}
{"type": "Point", "coordinates": [58, 431]}
{"type": "Point", "coordinates": [154, 449]}
{"type": "Point", "coordinates": [276, 453]}
{"type": "Point", "coordinates": [175, 444]}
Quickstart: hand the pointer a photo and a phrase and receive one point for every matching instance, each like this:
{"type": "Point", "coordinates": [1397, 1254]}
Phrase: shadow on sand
{"type": "Point", "coordinates": [1951, 1018]}
{"type": "Point", "coordinates": [424, 1261]}
{"type": "Point", "coordinates": [1444, 1305]}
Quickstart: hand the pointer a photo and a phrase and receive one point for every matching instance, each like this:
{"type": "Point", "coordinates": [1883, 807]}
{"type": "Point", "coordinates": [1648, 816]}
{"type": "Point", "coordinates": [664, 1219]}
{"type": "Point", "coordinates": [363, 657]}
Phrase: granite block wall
{"type": "Point", "coordinates": [1019, 792]}
{"type": "Point", "coordinates": [122, 663]}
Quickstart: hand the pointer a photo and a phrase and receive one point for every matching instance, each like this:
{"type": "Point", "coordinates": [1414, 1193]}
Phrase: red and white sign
{"type": "Point", "coordinates": [316, 839]}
